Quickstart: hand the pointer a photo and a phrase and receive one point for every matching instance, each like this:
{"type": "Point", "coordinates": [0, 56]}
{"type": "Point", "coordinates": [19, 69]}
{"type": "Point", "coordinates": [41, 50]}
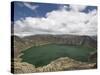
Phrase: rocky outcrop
{"type": "Point", "coordinates": [64, 63]}
{"type": "Point", "coordinates": [60, 64]}
{"type": "Point", "coordinates": [23, 67]}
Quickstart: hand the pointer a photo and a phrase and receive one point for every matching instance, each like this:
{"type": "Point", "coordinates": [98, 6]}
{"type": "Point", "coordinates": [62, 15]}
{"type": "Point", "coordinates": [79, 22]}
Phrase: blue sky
{"type": "Point", "coordinates": [22, 11]}
{"type": "Point", "coordinates": [44, 18]}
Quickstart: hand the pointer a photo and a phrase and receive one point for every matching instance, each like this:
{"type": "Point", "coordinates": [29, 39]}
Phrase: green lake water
{"type": "Point", "coordinates": [43, 55]}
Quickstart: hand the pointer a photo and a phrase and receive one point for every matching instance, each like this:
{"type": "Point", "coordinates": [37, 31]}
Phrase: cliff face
{"type": "Point", "coordinates": [36, 40]}
{"type": "Point", "coordinates": [63, 39]}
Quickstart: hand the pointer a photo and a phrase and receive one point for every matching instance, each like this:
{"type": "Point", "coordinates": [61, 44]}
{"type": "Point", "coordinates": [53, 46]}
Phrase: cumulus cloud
{"type": "Point", "coordinates": [77, 7]}
{"type": "Point", "coordinates": [59, 22]}
{"type": "Point", "coordinates": [32, 7]}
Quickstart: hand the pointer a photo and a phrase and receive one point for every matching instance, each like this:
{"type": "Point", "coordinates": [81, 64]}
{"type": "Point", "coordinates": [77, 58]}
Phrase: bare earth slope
{"type": "Point", "coordinates": [36, 40]}
{"type": "Point", "coordinates": [61, 64]}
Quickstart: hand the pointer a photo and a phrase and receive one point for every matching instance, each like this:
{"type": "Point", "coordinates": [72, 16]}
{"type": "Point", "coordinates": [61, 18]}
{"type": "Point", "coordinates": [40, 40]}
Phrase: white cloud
{"type": "Point", "coordinates": [32, 7]}
{"type": "Point", "coordinates": [77, 7]}
{"type": "Point", "coordinates": [59, 22]}
{"type": "Point", "coordinates": [63, 7]}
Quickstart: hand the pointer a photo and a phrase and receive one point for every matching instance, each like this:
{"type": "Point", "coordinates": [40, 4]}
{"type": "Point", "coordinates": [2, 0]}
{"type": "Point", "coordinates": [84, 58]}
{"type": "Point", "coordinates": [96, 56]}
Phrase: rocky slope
{"type": "Point", "coordinates": [60, 64]}
{"type": "Point", "coordinates": [19, 44]}
{"type": "Point", "coordinates": [36, 40]}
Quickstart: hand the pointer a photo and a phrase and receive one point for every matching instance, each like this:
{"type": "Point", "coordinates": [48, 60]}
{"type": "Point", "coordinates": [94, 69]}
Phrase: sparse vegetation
{"type": "Point", "coordinates": [56, 63]}
{"type": "Point", "coordinates": [61, 64]}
